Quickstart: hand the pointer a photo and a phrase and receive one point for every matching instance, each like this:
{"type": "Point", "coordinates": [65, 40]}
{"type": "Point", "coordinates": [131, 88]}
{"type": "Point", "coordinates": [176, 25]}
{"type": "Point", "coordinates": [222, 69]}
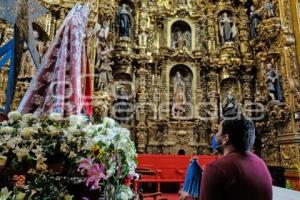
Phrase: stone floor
{"type": "Point", "coordinates": [284, 194]}
{"type": "Point", "coordinates": [278, 194]}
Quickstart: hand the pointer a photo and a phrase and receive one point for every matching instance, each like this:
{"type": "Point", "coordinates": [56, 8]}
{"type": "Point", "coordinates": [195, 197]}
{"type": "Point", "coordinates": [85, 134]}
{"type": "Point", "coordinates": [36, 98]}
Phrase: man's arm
{"type": "Point", "coordinates": [212, 184]}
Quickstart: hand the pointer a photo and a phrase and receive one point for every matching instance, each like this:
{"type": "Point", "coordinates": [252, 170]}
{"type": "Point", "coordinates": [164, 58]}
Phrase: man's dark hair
{"type": "Point", "coordinates": [241, 133]}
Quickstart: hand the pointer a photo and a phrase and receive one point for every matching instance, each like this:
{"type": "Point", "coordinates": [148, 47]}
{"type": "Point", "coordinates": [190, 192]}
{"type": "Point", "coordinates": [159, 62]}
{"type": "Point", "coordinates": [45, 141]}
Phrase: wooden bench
{"type": "Point", "coordinates": [159, 169]}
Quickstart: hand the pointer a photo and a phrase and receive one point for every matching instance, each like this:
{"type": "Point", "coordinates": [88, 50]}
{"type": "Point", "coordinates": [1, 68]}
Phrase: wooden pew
{"type": "Point", "coordinates": [158, 169]}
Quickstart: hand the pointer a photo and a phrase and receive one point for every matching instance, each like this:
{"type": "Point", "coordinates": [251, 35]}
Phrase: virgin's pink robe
{"type": "Point", "coordinates": [61, 84]}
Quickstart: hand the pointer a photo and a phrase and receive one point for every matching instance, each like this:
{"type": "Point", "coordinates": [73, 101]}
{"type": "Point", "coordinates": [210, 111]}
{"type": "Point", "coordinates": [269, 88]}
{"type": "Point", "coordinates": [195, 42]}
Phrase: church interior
{"type": "Point", "coordinates": [169, 70]}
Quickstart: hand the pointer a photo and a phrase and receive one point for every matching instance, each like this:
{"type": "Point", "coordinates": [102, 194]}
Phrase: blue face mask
{"type": "Point", "coordinates": [214, 144]}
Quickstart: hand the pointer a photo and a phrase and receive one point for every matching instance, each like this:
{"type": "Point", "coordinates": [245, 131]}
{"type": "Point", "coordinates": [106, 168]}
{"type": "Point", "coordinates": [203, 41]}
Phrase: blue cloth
{"type": "Point", "coordinates": [7, 53]}
{"type": "Point", "coordinates": [193, 178]}
{"type": "Point", "coordinates": [214, 144]}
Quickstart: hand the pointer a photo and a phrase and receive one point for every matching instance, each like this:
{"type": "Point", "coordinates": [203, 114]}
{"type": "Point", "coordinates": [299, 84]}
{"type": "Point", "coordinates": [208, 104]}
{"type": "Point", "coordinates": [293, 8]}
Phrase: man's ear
{"type": "Point", "coordinates": [226, 138]}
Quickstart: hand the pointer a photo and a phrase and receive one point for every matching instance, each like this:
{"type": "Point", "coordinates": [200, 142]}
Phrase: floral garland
{"type": "Point", "coordinates": [101, 155]}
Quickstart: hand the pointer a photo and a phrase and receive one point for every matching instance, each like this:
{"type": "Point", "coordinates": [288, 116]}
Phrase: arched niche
{"type": "Point", "coordinates": [181, 152]}
{"type": "Point", "coordinates": [181, 91]}
{"type": "Point", "coordinates": [43, 36]}
{"type": "Point", "coordinates": [125, 19]}
{"type": "Point", "coordinates": [183, 25]}
{"type": "Point", "coordinates": [230, 92]}
{"type": "Point", "coordinates": [123, 81]}
{"type": "Point", "coordinates": [227, 27]}
{"type": "Point", "coordinates": [123, 95]}
{"type": "Point", "coordinates": [127, 2]}
{"type": "Point", "coordinates": [181, 33]}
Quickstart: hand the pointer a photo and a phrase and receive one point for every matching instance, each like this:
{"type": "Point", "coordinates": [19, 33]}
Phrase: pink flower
{"type": "Point", "coordinates": [94, 175]}
{"type": "Point", "coordinates": [85, 165]}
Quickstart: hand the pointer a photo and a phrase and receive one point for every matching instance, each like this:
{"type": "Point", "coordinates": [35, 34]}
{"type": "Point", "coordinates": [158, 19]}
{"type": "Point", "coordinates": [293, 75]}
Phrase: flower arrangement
{"type": "Point", "coordinates": [101, 155]}
{"type": "Point", "coordinates": [112, 157]}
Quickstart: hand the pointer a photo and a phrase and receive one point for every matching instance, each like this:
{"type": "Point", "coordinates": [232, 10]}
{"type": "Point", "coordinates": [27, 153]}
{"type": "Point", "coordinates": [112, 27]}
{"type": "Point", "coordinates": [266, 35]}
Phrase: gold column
{"type": "Point", "coordinates": [289, 141]}
{"type": "Point", "coordinates": [295, 7]}
{"type": "Point", "coordinates": [164, 107]}
{"type": "Point", "coordinates": [141, 127]}
{"type": "Point", "coordinates": [211, 30]}
{"type": "Point", "coordinates": [213, 96]}
{"type": "Point", "coordinates": [244, 32]}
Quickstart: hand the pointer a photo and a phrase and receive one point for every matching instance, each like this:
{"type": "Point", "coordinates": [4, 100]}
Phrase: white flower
{"type": "Point", "coordinates": [109, 122]}
{"type": "Point", "coordinates": [77, 120]}
{"type": "Point", "coordinates": [125, 193]}
{"type": "Point", "coordinates": [53, 131]}
{"type": "Point", "coordinates": [38, 150]}
{"type": "Point", "coordinates": [14, 116]}
{"type": "Point", "coordinates": [73, 130]}
{"type": "Point", "coordinates": [64, 148]}
{"type": "Point", "coordinates": [24, 124]}
{"type": "Point", "coordinates": [28, 117]}
{"type": "Point", "coordinates": [101, 138]}
{"type": "Point", "coordinates": [5, 194]}
{"type": "Point", "coordinates": [21, 153]}
{"type": "Point", "coordinates": [7, 129]}
{"type": "Point", "coordinates": [91, 130]}
{"type": "Point", "coordinates": [26, 132]}
{"type": "Point", "coordinates": [20, 196]}
{"type": "Point", "coordinates": [36, 127]}
{"type": "Point", "coordinates": [12, 143]}
{"type": "Point", "coordinates": [89, 143]}
{"type": "Point", "coordinates": [71, 138]}
{"type": "Point", "coordinates": [111, 133]}
{"type": "Point", "coordinates": [112, 167]}
{"type": "Point", "coordinates": [55, 117]}
{"type": "Point", "coordinates": [72, 155]}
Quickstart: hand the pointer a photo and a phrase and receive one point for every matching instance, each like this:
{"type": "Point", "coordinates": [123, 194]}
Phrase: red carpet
{"type": "Point", "coordinates": [167, 197]}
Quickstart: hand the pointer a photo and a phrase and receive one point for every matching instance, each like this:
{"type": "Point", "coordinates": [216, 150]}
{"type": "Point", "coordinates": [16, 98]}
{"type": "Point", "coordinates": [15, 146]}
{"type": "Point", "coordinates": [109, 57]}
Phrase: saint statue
{"type": "Point", "coordinates": [104, 70]}
{"type": "Point", "coordinates": [124, 21]}
{"type": "Point", "coordinates": [179, 96]}
{"type": "Point", "coordinates": [254, 21]}
{"type": "Point", "coordinates": [39, 45]}
{"type": "Point", "coordinates": [180, 40]}
{"type": "Point", "coordinates": [269, 7]}
{"type": "Point", "coordinates": [229, 105]}
{"type": "Point", "coordinates": [28, 69]}
{"type": "Point", "coordinates": [101, 31]}
{"type": "Point", "coordinates": [274, 88]}
{"type": "Point", "coordinates": [228, 29]}
{"type": "Point", "coordinates": [187, 39]}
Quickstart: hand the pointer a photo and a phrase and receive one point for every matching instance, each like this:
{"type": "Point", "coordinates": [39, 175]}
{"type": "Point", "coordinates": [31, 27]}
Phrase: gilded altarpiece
{"type": "Point", "coordinates": [174, 67]}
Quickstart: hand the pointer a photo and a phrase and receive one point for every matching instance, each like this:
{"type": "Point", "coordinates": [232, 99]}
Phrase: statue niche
{"type": "Point", "coordinates": [124, 20]}
{"type": "Point", "coordinates": [181, 91]}
{"type": "Point", "coordinates": [273, 81]}
{"type": "Point", "coordinates": [181, 35]}
{"type": "Point", "coordinates": [227, 28]}
{"type": "Point", "coordinates": [255, 18]}
{"type": "Point", "coordinates": [122, 108]}
{"type": "Point", "coordinates": [230, 96]}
